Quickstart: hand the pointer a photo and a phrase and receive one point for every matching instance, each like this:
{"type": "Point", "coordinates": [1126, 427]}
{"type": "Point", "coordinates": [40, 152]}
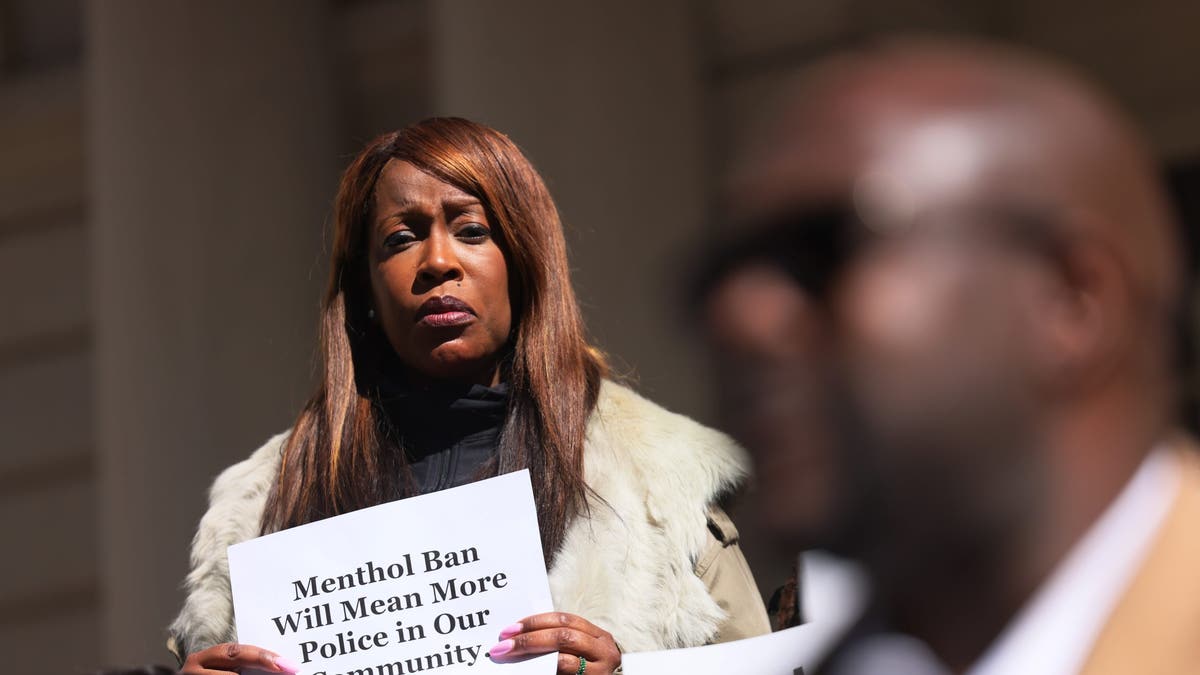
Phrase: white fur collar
{"type": "Point", "coordinates": [628, 567]}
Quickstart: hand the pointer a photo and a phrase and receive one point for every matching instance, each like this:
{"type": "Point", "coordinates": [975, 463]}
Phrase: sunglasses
{"type": "Point", "coordinates": [815, 244]}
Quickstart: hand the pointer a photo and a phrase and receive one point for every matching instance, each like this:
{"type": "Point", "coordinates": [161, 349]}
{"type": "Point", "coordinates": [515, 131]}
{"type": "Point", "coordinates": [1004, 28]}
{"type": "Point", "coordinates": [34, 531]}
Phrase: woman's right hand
{"type": "Point", "coordinates": [231, 657]}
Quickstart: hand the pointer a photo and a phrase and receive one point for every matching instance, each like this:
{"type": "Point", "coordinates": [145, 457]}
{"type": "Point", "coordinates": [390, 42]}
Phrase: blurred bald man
{"type": "Point", "coordinates": [944, 328]}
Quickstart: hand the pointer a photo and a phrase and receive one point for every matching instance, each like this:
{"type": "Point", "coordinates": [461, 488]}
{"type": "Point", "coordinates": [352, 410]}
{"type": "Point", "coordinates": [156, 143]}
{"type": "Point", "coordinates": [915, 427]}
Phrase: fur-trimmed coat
{"type": "Point", "coordinates": [656, 564]}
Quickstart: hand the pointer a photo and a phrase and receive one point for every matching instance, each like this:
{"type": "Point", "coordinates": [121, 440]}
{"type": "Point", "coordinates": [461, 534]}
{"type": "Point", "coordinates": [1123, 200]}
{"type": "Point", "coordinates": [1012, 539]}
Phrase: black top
{"type": "Point", "coordinates": [449, 437]}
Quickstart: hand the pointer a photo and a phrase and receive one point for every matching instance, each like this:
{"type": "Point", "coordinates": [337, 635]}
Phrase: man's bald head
{"type": "Point", "coordinates": [936, 121]}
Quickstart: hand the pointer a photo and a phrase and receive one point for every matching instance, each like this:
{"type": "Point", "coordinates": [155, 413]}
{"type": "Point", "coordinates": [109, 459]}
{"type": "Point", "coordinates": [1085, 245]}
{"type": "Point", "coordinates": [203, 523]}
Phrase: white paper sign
{"type": "Point", "coordinates": [780, 653]}
{"type": "Point", "coordinates": [420, 585]}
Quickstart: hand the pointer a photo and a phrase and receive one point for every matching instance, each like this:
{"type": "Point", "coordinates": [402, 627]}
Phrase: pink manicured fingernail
{"type": "Point", "coordinates": [510, 631]}
{"type": "Point", "coordinates": [287, 665]}
{"type": "Point", "coordinates": [501, 648]}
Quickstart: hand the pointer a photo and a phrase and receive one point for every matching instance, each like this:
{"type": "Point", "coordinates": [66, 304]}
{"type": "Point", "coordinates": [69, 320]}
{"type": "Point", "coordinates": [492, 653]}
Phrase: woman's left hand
{"type": "Point", "coordinates": [574, 638]}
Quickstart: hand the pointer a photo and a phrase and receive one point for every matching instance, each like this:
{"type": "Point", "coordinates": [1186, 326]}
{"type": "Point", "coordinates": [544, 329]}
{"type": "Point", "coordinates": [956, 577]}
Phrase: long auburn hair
{"type": "Point", "coordinates": [340, 455]}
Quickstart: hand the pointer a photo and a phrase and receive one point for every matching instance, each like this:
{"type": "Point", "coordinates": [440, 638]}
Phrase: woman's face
{"type": "Point", "coordinates": [439, 281]}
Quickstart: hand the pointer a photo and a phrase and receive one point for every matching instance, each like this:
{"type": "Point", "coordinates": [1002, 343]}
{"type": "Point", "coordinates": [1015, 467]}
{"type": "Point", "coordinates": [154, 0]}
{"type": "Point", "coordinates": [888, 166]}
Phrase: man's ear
{"type": "Point", "coordinates": [1086, 322]}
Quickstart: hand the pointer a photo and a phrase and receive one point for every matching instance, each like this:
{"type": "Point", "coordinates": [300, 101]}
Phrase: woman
{"type": "Point", "coordinates": [454, 350]}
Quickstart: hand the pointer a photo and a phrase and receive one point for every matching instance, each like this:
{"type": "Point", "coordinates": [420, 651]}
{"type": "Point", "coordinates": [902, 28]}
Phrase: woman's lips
{"type": "Point", "coordinates": [445, 311]}
{"type": "Point", "coordinates": [445, 319]}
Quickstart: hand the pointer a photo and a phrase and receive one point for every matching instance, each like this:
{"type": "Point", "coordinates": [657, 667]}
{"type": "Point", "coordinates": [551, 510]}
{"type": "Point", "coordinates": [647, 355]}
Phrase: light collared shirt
{"type": "Point", "coordinates": [1055, 631]}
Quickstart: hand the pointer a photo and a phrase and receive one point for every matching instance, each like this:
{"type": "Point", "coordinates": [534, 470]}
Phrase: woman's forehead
{"type": "Point", "coordinates": [402, 184]}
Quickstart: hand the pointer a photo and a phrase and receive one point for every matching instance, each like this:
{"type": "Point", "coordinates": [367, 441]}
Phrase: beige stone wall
{"type": "Point", "coordinates": [50, 585]}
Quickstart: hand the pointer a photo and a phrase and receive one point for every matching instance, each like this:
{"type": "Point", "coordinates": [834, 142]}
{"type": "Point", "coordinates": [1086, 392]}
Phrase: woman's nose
{"type": "Point", "coordinates": [440, 262]}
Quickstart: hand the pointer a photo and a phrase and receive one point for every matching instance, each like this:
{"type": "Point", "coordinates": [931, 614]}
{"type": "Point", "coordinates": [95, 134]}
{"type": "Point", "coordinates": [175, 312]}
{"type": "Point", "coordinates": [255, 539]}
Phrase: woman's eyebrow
{"type": "Point", "coordinates": [398, 211]}
{"type": "Point", "coordinates": [405, 206]}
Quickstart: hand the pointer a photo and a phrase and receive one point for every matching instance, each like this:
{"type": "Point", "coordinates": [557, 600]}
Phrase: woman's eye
{"type": "Point", "coordinates": [399, 238]}
{"type": "Point", "coordinates": [474, 232]}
